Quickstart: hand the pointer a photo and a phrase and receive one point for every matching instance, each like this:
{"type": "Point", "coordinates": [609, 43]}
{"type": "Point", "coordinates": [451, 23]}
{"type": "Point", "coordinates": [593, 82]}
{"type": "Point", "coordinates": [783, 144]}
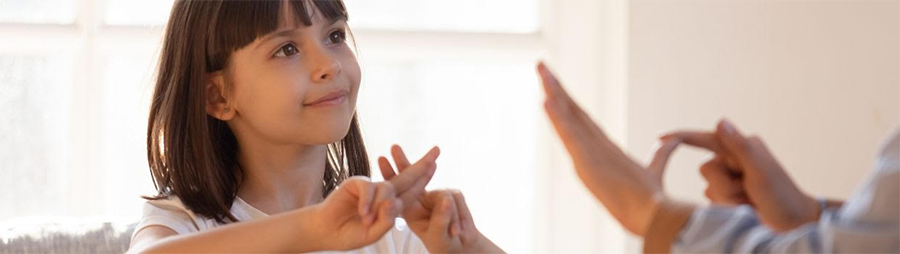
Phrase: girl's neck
{"type": "Point", "coordinates": [280, 178]}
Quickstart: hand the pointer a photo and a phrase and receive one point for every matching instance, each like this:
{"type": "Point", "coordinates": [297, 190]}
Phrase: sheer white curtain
{"type": "Point", "coordinates": [76, 77]}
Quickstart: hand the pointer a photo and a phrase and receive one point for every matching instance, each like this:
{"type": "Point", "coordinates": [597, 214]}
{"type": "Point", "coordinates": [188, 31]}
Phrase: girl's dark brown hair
{"type": "Point", "coordinates": [192, 155]}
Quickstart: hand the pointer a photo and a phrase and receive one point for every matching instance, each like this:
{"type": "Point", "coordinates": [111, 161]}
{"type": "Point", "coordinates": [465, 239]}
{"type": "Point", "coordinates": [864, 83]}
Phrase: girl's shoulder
{"type": "Point", "coordinates": [170, 212]}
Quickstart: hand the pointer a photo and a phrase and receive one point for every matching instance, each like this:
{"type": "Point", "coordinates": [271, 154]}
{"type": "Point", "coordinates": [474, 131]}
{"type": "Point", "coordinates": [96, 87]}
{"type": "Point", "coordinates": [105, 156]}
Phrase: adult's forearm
{"type": "Point", "coordinates": [667, 222]}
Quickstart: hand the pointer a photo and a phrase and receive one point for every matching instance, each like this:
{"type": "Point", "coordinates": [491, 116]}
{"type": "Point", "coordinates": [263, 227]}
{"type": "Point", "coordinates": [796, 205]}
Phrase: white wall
{"type": "Point", "coordinates": [585, 42]}
{"type": "Point", "coordinates": [819, 81]}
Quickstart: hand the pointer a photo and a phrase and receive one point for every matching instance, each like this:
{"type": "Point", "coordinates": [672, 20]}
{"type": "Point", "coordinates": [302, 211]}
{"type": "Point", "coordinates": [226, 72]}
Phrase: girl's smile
{"type": "Point", "coordinates": [337, 97]}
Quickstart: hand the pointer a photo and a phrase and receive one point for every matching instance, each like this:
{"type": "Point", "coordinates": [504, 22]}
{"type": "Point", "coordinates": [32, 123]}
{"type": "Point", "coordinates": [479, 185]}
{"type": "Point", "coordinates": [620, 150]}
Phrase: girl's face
{"type": "Point", "coordinates": [296, 85]}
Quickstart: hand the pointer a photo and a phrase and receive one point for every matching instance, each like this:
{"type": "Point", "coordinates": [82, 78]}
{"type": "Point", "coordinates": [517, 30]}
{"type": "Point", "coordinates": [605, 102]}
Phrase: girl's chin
{"type": "Point", "coordinates": [326, 128]}
{"type": "Point", "coordinates": [329, 136]}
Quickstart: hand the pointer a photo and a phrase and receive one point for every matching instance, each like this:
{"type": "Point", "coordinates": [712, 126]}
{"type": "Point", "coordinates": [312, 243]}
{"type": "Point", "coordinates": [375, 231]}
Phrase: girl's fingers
{"type": "Point", "coordinates": [388, 210]}
{"type": "Point", "coordinates": [386, 170]}
{"type": "Point", "coordinates": [399, 158]}
{"type": "Point", "coordinates": [364, 191]}
{"type": "Point", "coordinates": [384, 191]}
{"type": "Point", "coordinates": [428, 164]}
{"type": "Point", "coordinates": [407, 178]}
{"type": "Point", "coordinates": [443, 213]}
{"type": "Point", "coordinates": [465, 216]}
{"type": "Point", "coordinates": [418, 188]}
{"type": "Point", "coordinates": [455, 225]}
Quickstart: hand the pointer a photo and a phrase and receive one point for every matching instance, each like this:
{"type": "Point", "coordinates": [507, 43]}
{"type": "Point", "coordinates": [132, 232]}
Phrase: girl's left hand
{"type": "Point", "coordinates": [359, 212]}
{"type": "Point", "coordinates": [440, 218]}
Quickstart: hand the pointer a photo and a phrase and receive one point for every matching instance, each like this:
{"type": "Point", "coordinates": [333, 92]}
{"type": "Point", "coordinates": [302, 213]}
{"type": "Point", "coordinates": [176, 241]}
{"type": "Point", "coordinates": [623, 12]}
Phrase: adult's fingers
{"type": "Point", "coordinates": [705, 140]}
{"type": "Point", "coordinates": [558, 99]}
{"type": "Point", "coordinates": [556, 102]}
{"type": "Point", "coordinates": [723, 187]}
{"type": "Point", "coordinates": [552, 86]}
{"type": "Point", "coordinates": [734, 142]}
{"type": "Point", "coordinates": [566, 117]}
{"type": "Point", "coordinates": [657, 165]}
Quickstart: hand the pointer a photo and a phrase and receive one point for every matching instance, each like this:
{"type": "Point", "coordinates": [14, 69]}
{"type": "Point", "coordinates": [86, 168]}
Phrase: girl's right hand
{"type": "Point", "coordinates": [355, 214]}
{"type": "Point", "coordinates": [359, 212]}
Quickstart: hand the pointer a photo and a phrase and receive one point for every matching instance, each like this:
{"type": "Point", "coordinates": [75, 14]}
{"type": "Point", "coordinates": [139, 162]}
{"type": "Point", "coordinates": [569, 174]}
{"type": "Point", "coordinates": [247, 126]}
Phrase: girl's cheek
{"type": "Point", "coordinates": [353, 70]}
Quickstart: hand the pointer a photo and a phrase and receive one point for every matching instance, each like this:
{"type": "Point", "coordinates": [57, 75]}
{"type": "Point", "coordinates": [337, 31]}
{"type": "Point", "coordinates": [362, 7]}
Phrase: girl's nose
{"type": "Point", "coordinates": [325, 67]}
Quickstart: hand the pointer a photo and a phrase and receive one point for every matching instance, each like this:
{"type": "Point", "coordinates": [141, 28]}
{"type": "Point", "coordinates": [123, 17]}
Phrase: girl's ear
{"type": "Point", "coordinates": [217, 103]}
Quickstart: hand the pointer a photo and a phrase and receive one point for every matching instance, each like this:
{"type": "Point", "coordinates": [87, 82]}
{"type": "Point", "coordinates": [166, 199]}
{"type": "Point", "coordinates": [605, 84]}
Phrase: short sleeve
{"type": "Point", "coordinates": [405, 241]}
{"type": "Point", "coordinates": [169, 213]}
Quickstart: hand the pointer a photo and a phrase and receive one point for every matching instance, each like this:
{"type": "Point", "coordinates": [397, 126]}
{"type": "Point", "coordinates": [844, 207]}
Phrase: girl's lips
{"type": "Point", "coordinates": [332, 98]}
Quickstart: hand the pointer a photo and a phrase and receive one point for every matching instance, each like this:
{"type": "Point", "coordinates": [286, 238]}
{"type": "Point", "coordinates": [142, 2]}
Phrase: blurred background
{"type": "Point", "coordinates": [818, 80]}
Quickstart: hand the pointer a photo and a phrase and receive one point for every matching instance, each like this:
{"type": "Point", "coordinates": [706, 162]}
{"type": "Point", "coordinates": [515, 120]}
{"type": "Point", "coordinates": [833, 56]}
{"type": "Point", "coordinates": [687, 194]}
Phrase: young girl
{"type": "Point", "coordinates": [254, 145]}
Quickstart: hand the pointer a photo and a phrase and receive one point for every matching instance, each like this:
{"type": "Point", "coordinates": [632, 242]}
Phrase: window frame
{"type": "Point", "coordinates": [88, 38]}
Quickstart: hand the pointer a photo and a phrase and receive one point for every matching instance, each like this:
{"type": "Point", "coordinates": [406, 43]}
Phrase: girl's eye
{"type": "Point", "coordinates": [287, 50]}
{"type": "Point", "coordinates": [337, 37]}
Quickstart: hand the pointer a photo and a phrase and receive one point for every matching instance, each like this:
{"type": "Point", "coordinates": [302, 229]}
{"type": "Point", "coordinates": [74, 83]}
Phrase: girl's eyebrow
{"type": "Point", "coordinates": [288, 33]}
{"type": "Point", "coordinates": [284, 33]}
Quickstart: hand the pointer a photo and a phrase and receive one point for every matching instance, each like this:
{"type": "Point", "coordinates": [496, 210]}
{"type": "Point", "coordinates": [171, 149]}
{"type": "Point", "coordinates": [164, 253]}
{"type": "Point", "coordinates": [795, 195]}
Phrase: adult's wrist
{"type": "Point", "coordinates": [667, 222]}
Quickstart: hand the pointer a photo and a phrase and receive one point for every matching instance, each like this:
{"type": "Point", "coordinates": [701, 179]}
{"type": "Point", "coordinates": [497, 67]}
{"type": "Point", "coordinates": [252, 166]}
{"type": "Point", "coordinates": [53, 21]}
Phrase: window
{"type": "Point", "coordinates": [498, 16]}
{"type": "Point", "coordinates": [76, 79]}
{"type": "Point", "coordinates": [38, 12]}
{"type": "Point", "coordinates": [34, 150]}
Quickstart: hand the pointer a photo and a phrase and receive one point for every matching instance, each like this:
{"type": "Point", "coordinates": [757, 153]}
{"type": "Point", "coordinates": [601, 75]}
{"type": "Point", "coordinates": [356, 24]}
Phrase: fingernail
{"type": "Point", "coordinates": [728, 127]}
{"type": "Point", "coordinates": [656, 145]}
{"type": "Point", "coordinates": [435, 151]}
{"type": "Point", "coordinates": [446, 205]}
{"type": "Point", "coordinates": [662, 136]}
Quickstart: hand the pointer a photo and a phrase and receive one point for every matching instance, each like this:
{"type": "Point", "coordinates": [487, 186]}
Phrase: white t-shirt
{"type": "Point", "coordinates": [172, 214]}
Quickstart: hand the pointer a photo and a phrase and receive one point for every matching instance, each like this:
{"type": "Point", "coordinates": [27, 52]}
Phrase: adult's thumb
{"type": "Point", "coordinates": [733, 141]}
